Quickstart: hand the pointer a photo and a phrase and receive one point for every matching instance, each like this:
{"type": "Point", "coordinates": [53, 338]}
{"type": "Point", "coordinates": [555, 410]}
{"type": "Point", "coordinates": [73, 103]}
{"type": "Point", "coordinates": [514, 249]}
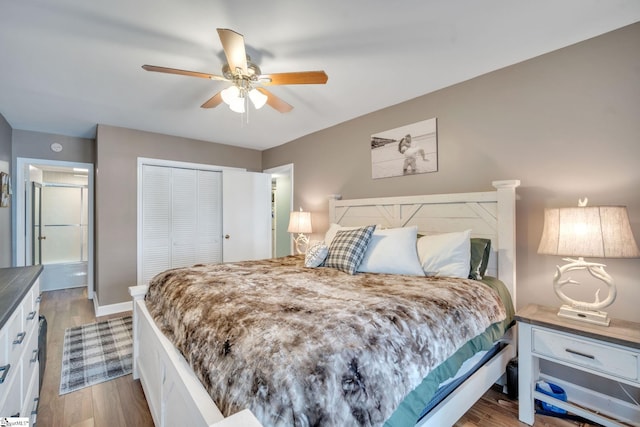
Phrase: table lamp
{"type": "Point", "coordinates": [587, 231]}
{"type": "Point", "coordinates": [300, 222]}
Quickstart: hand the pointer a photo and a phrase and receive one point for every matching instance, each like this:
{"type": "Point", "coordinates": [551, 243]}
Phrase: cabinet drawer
{"type": "Point", "coordinates": [4, 352]}
{"type": "Point", "coordinates": [11, 405]}
{"type": "Point", "coordinates": [29, 363]}
{"type": "Point", "coordinates": [30, 309]}
{"type": "Point", "coordinates": [30, 403]}
{"type": "Point", "coordinates": [16, 336]}
{"type": "Point", "coordinates": [606, 359]}
{"type": "Point", "coordinates": [32, 300]}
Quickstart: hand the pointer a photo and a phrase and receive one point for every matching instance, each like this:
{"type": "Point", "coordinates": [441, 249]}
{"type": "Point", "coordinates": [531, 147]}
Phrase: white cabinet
{"type": "Point", "coordinates": [19, 366]}
{"type": "Point", "coordinates": [608, 352]}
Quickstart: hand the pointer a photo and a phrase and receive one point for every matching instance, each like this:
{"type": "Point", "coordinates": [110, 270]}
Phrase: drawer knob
{"type": "Point", "coordinates": [577, 353]}
{"type": "Point", "coordinates": [5, 371]}
{"type": "Point", "coordinates": [31, 315]}
{"type": "Point", "coordinates": [34, 359]}
{"type": "Point", "coordinates": [19, 338]}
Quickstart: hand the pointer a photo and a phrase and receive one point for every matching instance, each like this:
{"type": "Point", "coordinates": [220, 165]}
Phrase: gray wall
{"type": "Point", "coordinates": [5, 140]}
{"type": "Point", "coordinates": [116, 195]}
{"type": "Point", "coordinates": [566, 124]}
{"type": "Point", "coordinates": [5, 213]}
{"type": "Point", "coordinates": [16, 143]}
{"type": "Point", "coordinates": [37, 145]}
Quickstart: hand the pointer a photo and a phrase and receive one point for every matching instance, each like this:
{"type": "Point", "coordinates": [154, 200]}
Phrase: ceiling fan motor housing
{"type": "Point", "coordinates": [253, 71]}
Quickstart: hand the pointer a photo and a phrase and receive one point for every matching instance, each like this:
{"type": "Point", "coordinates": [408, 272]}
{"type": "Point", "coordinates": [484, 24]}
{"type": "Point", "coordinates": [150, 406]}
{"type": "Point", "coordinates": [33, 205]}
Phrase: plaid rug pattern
{"type": "Point", "coordinates": [95, 353]}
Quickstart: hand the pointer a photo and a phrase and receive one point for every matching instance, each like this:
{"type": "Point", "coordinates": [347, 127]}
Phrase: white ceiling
{"type": "Point", "coordinates": [66, 65]}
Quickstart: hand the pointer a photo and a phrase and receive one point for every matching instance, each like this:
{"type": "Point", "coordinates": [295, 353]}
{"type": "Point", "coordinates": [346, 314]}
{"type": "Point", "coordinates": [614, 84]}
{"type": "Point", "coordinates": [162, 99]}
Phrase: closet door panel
{"type": "Point", "coordinates": [209, 218]}
{"type": "Point", "coordinates": [156, 220]}
{"type": "Point", "coordinates": [186, 214]}
{"type": "Point", "coordinates": [184, 200]}
{"type": "Point", "coordinates": [246, 215]}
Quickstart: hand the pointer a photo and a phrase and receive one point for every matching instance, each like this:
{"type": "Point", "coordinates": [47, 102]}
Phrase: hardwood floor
{"type": "Point", "coordinates": [116, 403]}
{"type": "Point", "coordinates": [121, 402]}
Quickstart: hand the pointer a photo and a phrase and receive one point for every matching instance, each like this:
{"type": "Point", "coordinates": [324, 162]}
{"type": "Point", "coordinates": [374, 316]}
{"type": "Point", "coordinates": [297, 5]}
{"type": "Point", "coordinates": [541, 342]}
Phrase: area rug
{"type": "Point", "coordinates": [95, 353]}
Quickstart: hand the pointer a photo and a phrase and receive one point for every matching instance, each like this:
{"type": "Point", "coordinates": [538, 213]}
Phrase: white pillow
{"type": "Point", "coordinates": [392, 251]}
{"type": "Point", "coordinates": [446, 255]}
{"type": "Point", "coordinates": [316, 254]}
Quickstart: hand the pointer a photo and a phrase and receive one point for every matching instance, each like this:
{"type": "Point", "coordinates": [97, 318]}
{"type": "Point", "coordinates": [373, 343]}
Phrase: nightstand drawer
{"type": "Point", "coordinates": [606, 359]}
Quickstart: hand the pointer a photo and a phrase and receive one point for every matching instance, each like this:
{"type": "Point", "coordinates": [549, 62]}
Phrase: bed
{"type": "Point", "coordinates": [178, 393]}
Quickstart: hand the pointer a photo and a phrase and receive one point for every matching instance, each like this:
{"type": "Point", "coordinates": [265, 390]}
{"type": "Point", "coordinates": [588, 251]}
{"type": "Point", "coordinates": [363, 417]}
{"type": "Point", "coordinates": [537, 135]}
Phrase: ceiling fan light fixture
{"type": "Point", "coordinates": [243, 74]}
{"type": "Point", "coordinates": [257, 98]}
{"type": "Point", "coordinates": [237, 105]}
{"type": "Point", "coordinates": [230, 94]}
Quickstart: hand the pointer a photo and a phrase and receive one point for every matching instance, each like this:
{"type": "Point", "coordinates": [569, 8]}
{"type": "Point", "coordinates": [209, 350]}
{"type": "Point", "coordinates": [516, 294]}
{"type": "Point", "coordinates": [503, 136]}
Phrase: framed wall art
{"type": "Point", "coordinates": [406, 150]}
{"type": "Point", "coordinates": [5, 190]}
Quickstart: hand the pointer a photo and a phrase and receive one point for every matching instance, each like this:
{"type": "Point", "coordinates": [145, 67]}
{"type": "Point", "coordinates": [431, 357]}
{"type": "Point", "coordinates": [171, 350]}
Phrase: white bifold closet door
{"type": "Point", "coordinates": [181, 218]}
{"type": "Point", "coordinates": [190, 217]}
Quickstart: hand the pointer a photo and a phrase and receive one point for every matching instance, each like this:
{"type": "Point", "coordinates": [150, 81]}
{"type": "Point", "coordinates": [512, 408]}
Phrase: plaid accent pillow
{"type": "Point", "coordinates": [316, 255]}
{"type": "Point", "coordinates": [348, 248]}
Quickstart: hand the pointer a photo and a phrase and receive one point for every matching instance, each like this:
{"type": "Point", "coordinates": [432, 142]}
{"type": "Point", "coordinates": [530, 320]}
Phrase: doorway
{"type": "Point", "coordinates": [281, 207]}
{"type": "Point", "coordinates": [54, 223]}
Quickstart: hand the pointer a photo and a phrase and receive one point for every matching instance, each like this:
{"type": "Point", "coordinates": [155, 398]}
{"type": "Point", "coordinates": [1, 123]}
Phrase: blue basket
{"type": "Point", "coordinates": [557, 392]}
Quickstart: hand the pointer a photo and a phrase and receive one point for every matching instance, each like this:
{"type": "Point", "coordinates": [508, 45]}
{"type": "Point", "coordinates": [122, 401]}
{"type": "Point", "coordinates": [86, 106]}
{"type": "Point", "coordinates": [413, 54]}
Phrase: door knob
{"type": "Point", "coordinates": [42, 238]}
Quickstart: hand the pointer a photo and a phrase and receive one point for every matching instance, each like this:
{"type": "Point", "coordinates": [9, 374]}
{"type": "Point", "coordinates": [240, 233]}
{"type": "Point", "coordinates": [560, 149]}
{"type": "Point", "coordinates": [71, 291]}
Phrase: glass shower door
{"type": "Point", "coordinates": [36, 220]}
{"type": "Point", "coordinates": [63, 241]}
{"type": "Point", "coordinates": [63, 225]}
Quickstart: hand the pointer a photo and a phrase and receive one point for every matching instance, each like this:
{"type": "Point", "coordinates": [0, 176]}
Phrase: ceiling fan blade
{"type": "Point", "coordinates": [275, 102]}
{"type": "Point", "coordinates": [233, 45]}
{"type": "Point", "coordinates": [299, 78]}
{"type": "Point", "coordinates": [214, 101]}
{"type": "Point", "coordinates": [182, 72]}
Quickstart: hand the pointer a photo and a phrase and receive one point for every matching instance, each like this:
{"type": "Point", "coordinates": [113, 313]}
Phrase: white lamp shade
{"type": "Point", "coordinates": [257, 98]}
{"type": "Point", "coordinates": [590, 231]}
{"type": "Point", "coordinates": [299, 222]}
{"type": "Point", "coordinates": [237, 105]}
{"type": "Point", "coordinates": [230, 94]}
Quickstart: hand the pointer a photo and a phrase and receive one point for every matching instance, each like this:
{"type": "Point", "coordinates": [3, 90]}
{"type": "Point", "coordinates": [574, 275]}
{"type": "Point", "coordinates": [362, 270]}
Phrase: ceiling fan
{"type": "Point", "coordinates": [246, 78]}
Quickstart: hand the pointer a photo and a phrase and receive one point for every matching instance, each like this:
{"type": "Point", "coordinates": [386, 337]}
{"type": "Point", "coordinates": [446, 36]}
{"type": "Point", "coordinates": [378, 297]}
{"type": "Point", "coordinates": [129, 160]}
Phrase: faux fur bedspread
{"type": "Point", "coordinates": [315, 347]}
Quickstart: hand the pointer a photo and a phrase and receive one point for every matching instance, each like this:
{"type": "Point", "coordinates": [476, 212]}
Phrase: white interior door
{"type": "Point", "coordinates": [246, 213]}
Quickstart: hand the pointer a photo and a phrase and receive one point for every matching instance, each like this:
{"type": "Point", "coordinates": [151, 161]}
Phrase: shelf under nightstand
{"type": "Point", "coordinates": [610, 352]}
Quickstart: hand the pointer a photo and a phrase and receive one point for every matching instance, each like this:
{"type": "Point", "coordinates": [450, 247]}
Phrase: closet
{"type": "Point", "coordinates": [192, 216]}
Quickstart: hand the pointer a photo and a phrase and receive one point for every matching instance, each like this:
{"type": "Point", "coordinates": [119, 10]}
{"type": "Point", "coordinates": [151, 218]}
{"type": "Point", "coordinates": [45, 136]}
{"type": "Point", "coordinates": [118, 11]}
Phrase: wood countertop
{"type": "Point", "coordinates": [15, 282]}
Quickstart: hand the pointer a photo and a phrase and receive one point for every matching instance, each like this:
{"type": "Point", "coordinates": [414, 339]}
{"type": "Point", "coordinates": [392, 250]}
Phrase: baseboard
{"type": "Point", "coordinates": [60, 286]}
{"type": "Point", "coordinates": [106, 310]}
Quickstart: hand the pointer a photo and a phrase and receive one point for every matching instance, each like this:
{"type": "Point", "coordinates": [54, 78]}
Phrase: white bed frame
{"type": "Point", "coordinates": [174, 393]}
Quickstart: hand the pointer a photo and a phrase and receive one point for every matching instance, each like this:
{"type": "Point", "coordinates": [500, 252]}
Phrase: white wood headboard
{"type": "Point", "coordinates": [488, 214]}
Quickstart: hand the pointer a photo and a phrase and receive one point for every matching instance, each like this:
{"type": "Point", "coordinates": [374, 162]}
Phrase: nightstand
{"type": "Point", "coordinates": [610, 352]}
